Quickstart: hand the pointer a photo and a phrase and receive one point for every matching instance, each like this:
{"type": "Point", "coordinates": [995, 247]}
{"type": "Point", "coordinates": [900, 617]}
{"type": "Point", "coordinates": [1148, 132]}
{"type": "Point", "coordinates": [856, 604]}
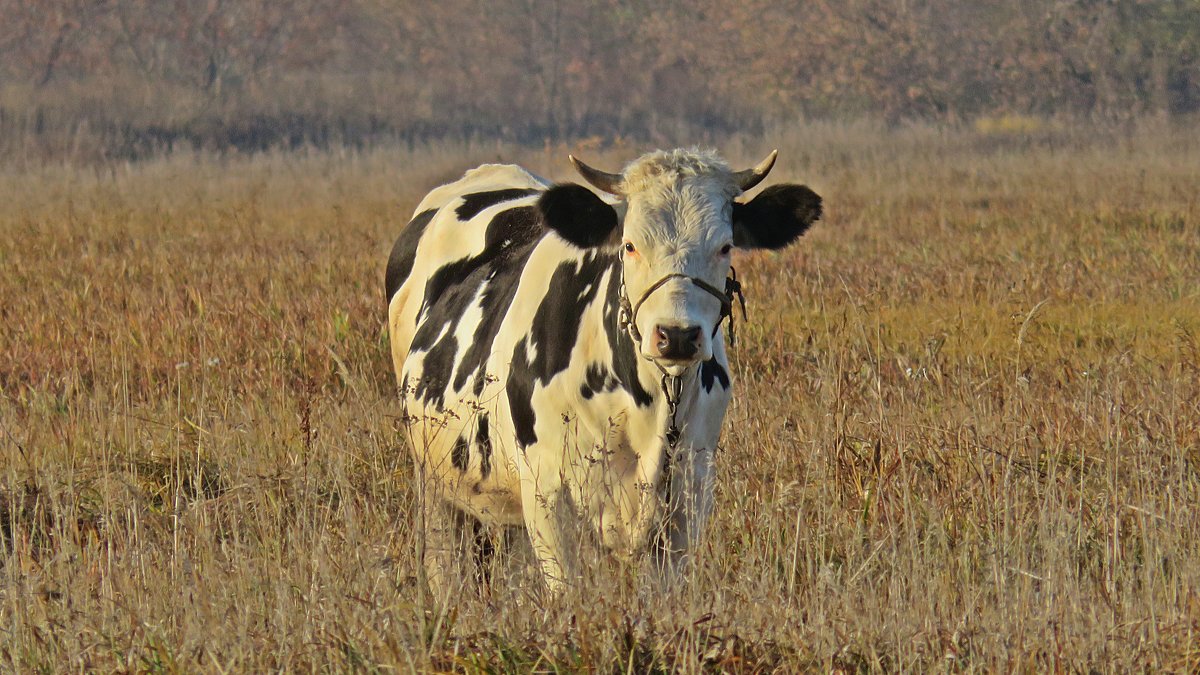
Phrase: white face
{"type": "Point", "coordinates": [681, 227]}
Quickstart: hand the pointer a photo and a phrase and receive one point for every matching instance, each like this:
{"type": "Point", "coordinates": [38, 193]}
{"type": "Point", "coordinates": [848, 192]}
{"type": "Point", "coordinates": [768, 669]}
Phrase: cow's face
{"type": "Point", "coordinates": [675, 235]}
{"type": "Point", "coordinates": [678, 229]}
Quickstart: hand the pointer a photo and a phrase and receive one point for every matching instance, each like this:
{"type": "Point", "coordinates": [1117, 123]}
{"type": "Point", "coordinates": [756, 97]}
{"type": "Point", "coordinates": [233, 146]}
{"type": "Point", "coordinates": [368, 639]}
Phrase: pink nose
{"type": "Point", "coordinates": [675, 343]}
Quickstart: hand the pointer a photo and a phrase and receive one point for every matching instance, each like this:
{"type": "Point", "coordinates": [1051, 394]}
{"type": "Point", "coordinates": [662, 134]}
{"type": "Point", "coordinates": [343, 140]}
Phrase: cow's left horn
{"type": "Point", "coordinates": [751, 177]}
{"type": "Point", "coordinates": [608, 182]}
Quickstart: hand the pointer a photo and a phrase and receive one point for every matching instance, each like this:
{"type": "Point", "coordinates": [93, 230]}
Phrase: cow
{"type": "Point", "coordinates": [561, 355]}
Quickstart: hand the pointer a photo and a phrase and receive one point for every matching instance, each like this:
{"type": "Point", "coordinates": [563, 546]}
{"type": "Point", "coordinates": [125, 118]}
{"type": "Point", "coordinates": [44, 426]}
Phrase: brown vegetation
{"type": "Point", "coordinates": [965, 436]}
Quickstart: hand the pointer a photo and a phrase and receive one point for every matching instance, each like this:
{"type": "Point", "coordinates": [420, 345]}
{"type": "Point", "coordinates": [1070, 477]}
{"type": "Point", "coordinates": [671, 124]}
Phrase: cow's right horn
{"type": "Point", "coordinates": [751, 177]}
{"type": "Point", "coordinates": [602, 180]}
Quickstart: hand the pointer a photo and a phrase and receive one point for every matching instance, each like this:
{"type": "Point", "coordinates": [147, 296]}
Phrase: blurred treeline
{"type": "Point", "coordinates": [141, 75]}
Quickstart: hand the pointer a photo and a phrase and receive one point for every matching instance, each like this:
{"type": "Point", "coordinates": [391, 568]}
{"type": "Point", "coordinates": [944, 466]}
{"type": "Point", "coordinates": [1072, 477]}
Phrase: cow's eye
{"type": "Point", "coordinates": [630, 248]}
{"type": "Point", "coordinates": [726, 249]}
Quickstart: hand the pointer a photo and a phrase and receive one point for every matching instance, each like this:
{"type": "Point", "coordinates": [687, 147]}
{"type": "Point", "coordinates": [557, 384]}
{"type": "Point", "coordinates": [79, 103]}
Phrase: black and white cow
{"type": "Point", "coordinates": [561, 356]}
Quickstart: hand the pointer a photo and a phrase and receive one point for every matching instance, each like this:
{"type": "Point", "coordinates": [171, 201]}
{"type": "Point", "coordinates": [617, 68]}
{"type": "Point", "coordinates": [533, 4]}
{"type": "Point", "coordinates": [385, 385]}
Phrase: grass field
{"type": "Point", "coordinates": [966, 433]}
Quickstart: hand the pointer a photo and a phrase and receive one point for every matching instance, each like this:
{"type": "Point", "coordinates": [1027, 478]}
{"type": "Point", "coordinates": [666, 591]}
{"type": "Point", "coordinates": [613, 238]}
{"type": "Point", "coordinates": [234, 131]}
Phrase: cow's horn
{"type": "Point", "coordinates": [751, 177]}
{"type": "Point", "coordinates": [608, 182]}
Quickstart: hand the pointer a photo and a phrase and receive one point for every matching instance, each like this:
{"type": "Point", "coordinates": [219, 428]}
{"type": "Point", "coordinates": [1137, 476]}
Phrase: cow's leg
{"type": "Point", "coordinates": [483, 544]}
{"type": "Point", "coordinates": [439, 544]}
{"type": "Point", "coordinates": [689, 506]}
{"type": "Point", "coordinates": [543, 500]}
{"type": "Point", "coordinates": [455, 546]}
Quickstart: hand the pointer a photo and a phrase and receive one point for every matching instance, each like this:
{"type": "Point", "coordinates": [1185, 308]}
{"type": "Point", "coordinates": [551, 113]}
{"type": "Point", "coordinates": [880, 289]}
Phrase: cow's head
{"type": "Point", "coordinates": [678, 222]}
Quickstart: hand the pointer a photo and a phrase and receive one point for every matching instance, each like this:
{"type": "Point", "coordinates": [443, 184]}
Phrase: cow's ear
{"type": "Point", "coordinates": [776, 217]}
{"type": "Point", "coordinates": [578, 215]}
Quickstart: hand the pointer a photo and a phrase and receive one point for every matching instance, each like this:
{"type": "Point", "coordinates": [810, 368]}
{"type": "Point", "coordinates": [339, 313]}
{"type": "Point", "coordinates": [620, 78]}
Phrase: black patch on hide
{"type": "Point", "coordinates": [404, 252]}
{"type": "Point", "coordinates": [460, 454]}
{"type": "Point", "coordinates": [431, 386]}
{"type": "Point", "coordinates": [598, 380]}
{"type": "Point", "coordinates": [712, 372]}
{"type": "Point", "coordinates": [483, 442]}
{"type": "Point", "coordinates": [555, 330]}
{"type": "Point", "coordinates": [625, 357]}
{"type": "Point", "coordinates": [520, 393]}
{"type": "Point", "coordinates": [475, 202]}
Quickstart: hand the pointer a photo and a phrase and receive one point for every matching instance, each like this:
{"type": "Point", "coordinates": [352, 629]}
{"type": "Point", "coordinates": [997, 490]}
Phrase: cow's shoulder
{"type": "Point", "coordinates": [441, 214]}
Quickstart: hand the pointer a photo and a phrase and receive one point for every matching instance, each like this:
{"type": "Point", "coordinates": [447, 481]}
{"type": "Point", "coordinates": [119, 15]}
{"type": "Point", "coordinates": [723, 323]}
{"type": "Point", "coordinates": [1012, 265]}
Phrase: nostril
{"type": "Point", "coordinates": [692, 335]}
{"type": "Point", "coordinates": [662, 339]}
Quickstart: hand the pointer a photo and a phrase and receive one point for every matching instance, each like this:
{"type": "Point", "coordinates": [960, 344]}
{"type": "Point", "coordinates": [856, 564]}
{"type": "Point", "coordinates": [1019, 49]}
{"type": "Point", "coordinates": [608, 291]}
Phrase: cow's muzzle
{"type": "Point", "coordinates": [673, 343]}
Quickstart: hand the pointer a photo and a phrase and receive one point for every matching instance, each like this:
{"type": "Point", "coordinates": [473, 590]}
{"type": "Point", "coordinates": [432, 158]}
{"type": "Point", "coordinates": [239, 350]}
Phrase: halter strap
{"type": "Point", "coordinates": [628, 313]}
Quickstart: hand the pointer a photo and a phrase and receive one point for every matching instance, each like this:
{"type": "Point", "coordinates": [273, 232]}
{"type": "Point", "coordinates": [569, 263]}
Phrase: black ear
{"type": "Point", "coordinates": [776, 217]}
{"type": "Point", "coordinates": [578, 215]}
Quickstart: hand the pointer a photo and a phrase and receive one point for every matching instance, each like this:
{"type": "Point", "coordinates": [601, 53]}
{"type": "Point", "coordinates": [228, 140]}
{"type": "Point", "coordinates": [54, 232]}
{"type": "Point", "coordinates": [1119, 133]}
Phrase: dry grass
{"type": "Point", "coordinates": [966, 434]}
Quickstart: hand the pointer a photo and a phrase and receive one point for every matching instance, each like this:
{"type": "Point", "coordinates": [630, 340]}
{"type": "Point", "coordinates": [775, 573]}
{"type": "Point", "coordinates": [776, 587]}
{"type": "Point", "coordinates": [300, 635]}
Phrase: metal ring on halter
{"type": "Point", "coordinates": [673, 392]}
